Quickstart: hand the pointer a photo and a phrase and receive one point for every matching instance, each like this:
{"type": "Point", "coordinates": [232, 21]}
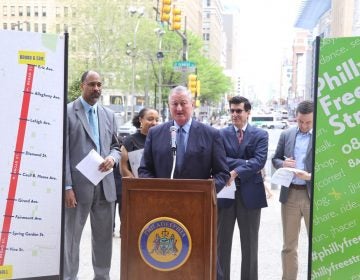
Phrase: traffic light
{"type": "Point", "coordinates": [176, 19]}
{"type": "Point", "coordinates": [165, 10]}
{"type": "Point", "coordinates": [192, 82]}
{"type": "Point", "coordinates": [197, 88]}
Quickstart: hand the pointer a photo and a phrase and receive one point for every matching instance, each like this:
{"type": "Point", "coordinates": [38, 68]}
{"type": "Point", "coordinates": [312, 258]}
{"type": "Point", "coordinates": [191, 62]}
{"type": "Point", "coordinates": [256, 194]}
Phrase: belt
{"type": "Point", "coordinates": [297, 187]}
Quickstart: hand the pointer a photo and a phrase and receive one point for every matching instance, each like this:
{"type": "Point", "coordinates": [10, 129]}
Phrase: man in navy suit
{"type": "Point", "coordinates": [246, 153]}
{"type": "Point", "coordinates": [204, 155]}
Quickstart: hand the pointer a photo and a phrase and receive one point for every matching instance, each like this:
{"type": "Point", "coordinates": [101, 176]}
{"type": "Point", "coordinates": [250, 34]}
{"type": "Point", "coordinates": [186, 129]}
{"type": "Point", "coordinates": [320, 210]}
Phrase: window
{"type": "Point", "coordinates": [208, 3]}
{"type": "Point", "coordinates": [57, 28]}
{"type": "Point", "coordinates": [57, 11]}
{"type": "Point", "coordinates": [36, 11]}
{"type": "Point", "coordinates": [21, 11]}
{"type": "Point", "coordinates": [4, 25]}
{"type": "Point", "coordinates": [73, 9]}
{"type": "Point", "coordinates": [28, 26]}
{"type": "Point", "coordinates": [36, 27]}
{"type": "Point", "coordinates": [4, 11]}
{"type": "Point", "coordinates": [66, 28]}
{"type": "Point", "coordinates": [28, 11]}
{"type": "Point", "coordinates": [66, 11]}
{"type": "Point", "coordinates": [206, 36]}
{"type": "Point", "coordinates": [12, 11]}
{"type": "Point", "coordinates": [43, 11]}
{"type": "Point", "coordinates": [43, 28]}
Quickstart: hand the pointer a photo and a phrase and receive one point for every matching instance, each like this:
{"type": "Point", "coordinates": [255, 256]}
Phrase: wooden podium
{"type": "Point", "coordinates": [168, 229]}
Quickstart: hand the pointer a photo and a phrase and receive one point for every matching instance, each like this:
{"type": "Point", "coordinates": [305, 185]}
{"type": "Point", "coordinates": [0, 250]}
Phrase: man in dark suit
{"type": "Point", "coordinates": [204, 155]}
{"type": "Point", "coordinates": [89, 126]}
{"type": "Point", "coordinates": [246, 153]}
{"type": "Point", "coordinates": [294, 149]}
{"type": "Point", "coordinates": [203, 151]}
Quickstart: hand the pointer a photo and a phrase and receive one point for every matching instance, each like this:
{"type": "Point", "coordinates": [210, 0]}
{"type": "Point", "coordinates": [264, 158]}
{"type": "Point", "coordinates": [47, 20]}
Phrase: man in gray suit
{"type": "Point", "coordinates": [89, 126]}
{"type": "Point", "coordinates": [294, 149]}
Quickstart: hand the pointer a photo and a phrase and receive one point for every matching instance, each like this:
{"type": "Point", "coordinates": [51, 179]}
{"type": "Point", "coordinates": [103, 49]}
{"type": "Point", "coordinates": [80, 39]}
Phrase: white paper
{"type": "Point", "coordinates": [134, 159]}
{"type": "Point", "coordinates": [283, 176]}
{"type": "Point", "coordinates": [89, 167]}
{"type": "Point", "coordinates": [228, 191]}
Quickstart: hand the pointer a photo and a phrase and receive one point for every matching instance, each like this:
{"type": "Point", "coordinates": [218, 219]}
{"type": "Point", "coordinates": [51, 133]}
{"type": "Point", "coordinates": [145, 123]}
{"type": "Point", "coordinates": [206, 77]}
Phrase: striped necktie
{"type": "Point", "coordinates": [240, 135]}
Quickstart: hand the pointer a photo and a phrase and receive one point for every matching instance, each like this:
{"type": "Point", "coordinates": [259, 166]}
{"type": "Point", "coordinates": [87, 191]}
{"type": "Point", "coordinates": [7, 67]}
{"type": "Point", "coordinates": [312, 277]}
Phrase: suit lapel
{"type": "Point", "coordinates": [81, 114]}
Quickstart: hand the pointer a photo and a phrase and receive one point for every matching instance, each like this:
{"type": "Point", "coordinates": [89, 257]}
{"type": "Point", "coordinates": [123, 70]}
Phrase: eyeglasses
{"type": "Point", "coordinates": [237, 111]}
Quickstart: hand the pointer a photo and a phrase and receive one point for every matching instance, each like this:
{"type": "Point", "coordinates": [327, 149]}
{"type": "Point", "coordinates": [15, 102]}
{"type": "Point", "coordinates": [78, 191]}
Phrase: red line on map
{"type": "Point", "coordinates": [16, 163]}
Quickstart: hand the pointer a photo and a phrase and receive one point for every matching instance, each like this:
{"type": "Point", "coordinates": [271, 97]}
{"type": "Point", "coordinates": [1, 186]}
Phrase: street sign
{"type": "Point", "coordinates": [184, 66]}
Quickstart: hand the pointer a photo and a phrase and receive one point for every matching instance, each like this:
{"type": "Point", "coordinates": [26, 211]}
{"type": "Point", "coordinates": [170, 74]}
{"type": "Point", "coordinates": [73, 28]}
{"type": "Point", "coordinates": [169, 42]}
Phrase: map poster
{"type": "Point", "coordinates": [335, 238]}
{"type": "Point", "coordinates": [32, 72]}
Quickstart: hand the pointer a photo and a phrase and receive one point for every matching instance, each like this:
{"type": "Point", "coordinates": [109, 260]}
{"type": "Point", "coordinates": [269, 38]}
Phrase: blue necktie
{"type": "Point", "coordinates": [94, 127]}
{"type": "Point", "coordinates": [180, 147]}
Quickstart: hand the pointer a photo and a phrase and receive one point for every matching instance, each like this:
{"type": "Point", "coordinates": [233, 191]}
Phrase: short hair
{"type": "Point", "coordinates": [305, 107]}
{"type": "Point", "coordinates": [180, 89]}
{"type": "Point", "coordinates": [83, 76]}
{"type": "Point", "coordinates": [240, 99]}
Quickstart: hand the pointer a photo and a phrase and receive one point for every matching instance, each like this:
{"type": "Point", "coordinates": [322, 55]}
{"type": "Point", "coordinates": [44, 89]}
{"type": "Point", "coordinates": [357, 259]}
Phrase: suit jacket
{"type": "Point", "coordinates": [204, 157]}
{"type": "Point", "coordinates": [285, 147]}
{"type": "Point", "coordinates": [247, 159]}
{"type": "Point", "coordinates": [79, 142]}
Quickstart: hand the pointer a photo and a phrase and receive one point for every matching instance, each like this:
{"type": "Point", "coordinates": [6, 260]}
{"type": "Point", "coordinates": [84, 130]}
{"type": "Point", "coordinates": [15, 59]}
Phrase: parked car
{"type": "Point", "coordinates": [277, 124]}
{"type": "Point", "coordinates": [126, 129]}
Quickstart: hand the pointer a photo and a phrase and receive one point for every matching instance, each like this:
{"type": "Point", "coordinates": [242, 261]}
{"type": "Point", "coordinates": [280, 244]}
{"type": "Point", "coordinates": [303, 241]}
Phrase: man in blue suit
{"type": "Point", "coordinates": [246, 153]}
{"type": "Point", "coordinates": [204, 154]}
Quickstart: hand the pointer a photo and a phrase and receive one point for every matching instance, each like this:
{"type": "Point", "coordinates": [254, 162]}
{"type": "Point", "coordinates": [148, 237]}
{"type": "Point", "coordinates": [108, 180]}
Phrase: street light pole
{"type": "Point", "coordinates": [160, 32]}
{"type": "Point", "coordinates": [133, 53]}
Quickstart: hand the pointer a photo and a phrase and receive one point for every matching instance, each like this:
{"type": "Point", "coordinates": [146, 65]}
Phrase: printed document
{"type": "Point", "coordinates": [89, 167]}
{"type": "Point", "coordinates": [134, 159]}
{"type": "Point", "coordinates": [228, 191]}
{"type": "Point", "coordinates": [284, 176]}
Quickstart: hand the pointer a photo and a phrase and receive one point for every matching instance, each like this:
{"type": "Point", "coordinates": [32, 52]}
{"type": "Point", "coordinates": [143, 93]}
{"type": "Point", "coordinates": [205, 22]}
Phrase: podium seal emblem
{"type": "Point", "coordinates": [164, 244]}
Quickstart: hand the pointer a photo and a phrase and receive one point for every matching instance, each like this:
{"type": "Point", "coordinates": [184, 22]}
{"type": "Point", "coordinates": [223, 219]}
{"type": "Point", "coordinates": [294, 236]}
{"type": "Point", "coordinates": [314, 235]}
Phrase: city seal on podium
{"type": "Point", "coordinates": [164, 244]}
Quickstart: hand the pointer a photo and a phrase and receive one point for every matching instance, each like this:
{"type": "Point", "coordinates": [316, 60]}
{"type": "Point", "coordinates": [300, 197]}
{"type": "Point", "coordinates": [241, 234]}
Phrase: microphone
{"type": "Point", "coordinates": [173, 138]}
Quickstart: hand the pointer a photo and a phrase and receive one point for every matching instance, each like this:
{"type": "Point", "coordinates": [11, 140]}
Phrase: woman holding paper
{"type": "Point", "coordinates": [143, 121]}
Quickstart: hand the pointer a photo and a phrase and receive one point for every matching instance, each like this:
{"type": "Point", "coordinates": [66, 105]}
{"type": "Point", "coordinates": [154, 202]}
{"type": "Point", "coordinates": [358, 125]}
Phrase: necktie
{"type": "Point", "coordinates": [180, 147]}
{"type": "Point", "coordinates": [94, 128]}
{"type": "Point", "coordinates": [240, 134]}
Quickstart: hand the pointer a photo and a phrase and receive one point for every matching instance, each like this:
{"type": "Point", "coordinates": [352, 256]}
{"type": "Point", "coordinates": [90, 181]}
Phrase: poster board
{"type": "Point", "coordinates": [335, 235]}
{"type": "Point", "coordinates": [33, 99]}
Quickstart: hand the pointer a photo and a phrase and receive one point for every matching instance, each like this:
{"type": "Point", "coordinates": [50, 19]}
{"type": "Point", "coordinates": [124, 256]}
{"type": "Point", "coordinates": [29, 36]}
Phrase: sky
{"type": "Point", "coordinates": [266, 30]}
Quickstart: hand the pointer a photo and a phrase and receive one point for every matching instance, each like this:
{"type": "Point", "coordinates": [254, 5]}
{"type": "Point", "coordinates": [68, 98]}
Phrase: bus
{"type": "Point", "coordinates": [267, 121]}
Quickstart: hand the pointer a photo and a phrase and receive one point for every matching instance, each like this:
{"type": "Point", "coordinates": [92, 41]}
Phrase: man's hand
{"type": "Point", "coordinates": [70, 199]}
{"type": "Point", "coordinates": [233, 175]}
{"type": "Point", "coordinates": [289, 162]}
{"type": "Point", "coordinates": [107, 164]}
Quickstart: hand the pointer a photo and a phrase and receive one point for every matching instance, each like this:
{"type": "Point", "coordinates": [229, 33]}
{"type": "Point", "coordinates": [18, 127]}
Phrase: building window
{"type": "Point", "coordinates": [57, 11]}
{"type": "Point", "coordinates": [43, 28]}
{"type": "Point", "coordinates": [4, 25]}
{"type": "Point", "coordinates": [4, 11]}
{"type": "Point", "coordinates": [36, 27]}
{"type": "Point", "coordinates": [28, 26]}
{"type": "Point", "coordinates": [73, 10]}
{"type": "Point", "coordinates": [36, 11]}
{"type": "Point", "coordinates": [28, 11]}
{"type": "Point", "coordinates": [12, 11]}
{"type": "Point", "coordinates": [208, 3]}
{"type": "Point", "coordinates": [206, 37]}
{"type": "Point", "coordinates": [73, 30]}
{"type": "Point", "coordinates": [43, 10]}
{"type": "Point", "coordinates": [57, 28]}
{"type": "Point", "coordinates": [66, 28]}
{"type": "Point", "coordinates": [66, 11]}
{"type": "Point", "coordinates": [21, 11]}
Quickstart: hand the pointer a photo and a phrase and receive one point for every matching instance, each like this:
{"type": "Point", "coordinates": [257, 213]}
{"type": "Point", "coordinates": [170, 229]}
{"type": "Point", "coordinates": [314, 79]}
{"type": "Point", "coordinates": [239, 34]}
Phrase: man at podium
{"type": "Point", "coordinates": [184, 148]}
{"type": "Point", "coordinates": [198, 148]}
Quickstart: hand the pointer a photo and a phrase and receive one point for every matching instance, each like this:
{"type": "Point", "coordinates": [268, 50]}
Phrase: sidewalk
{"type": "Point", "coordinates": [270, 244]}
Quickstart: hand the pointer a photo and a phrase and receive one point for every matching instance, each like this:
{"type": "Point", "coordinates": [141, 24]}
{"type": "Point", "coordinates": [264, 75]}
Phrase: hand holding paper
{"type": "Point", "coordinates": [283, 176]}
{"type": "Point", "coordinates": [89, 167]}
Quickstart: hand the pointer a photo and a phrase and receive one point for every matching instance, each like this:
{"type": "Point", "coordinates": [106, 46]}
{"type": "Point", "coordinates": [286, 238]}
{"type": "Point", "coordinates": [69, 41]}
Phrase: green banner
{"type": "Point", "coordinates": [335, 238]}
